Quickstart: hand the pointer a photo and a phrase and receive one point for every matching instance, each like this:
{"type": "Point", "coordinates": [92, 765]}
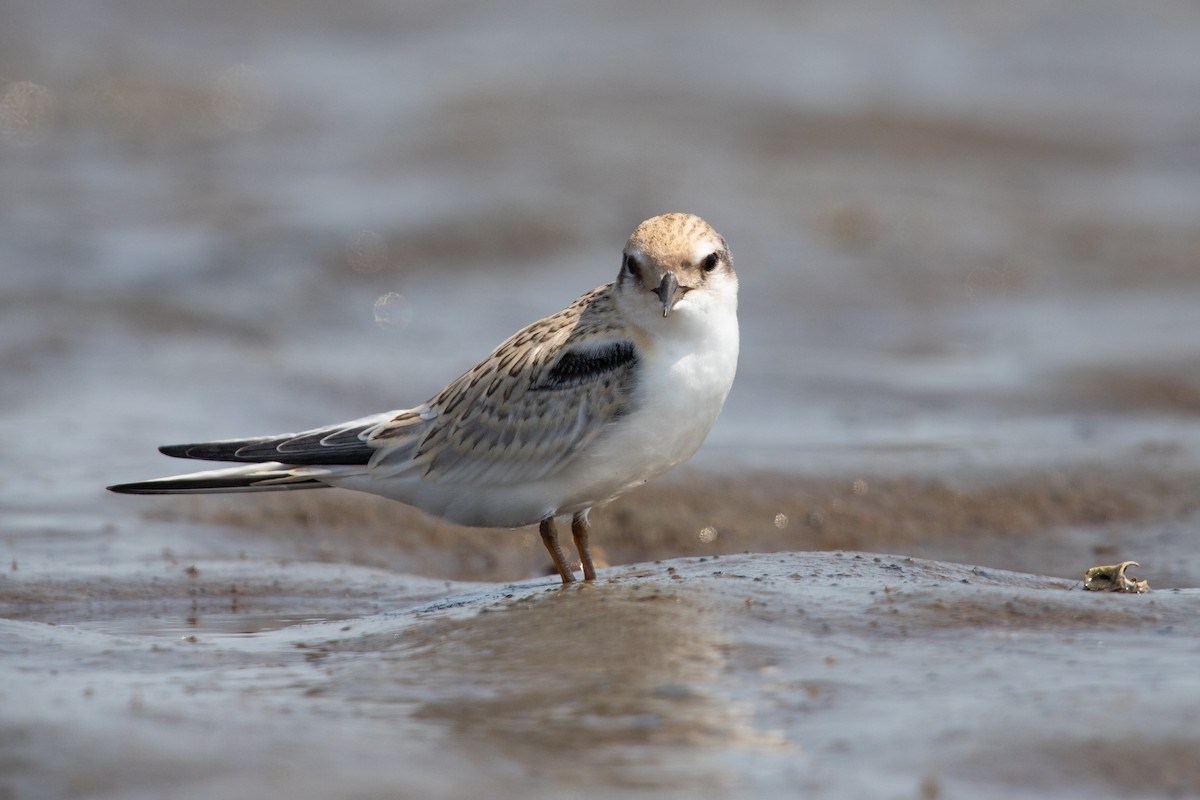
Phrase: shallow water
{"type": "Point", "coordinates": [970, 268]}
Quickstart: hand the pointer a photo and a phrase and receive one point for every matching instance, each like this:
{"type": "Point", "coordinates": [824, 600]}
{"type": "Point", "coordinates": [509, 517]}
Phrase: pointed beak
{"type": "Point", "coordinates": [668, 292]}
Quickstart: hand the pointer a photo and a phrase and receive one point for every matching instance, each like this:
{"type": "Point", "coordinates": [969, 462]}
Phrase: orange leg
{"type": "Point", "coordinates": [579, 531]}
{"type": "Point", "coordinates": [550, 539]}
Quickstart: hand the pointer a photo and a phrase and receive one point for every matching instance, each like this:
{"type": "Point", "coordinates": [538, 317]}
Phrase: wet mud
{"type": "Point", "coordinates": [1050, 523]}
{"type": "Point", "coordinates": [707, 677]}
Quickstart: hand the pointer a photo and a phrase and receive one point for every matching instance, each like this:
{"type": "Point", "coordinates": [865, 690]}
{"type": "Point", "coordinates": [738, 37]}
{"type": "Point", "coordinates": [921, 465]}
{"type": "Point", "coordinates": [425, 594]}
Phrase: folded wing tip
{"type": "Point", "coordinates": [130, 488]}
{"type": "Point", "coordinates": [255, 478]}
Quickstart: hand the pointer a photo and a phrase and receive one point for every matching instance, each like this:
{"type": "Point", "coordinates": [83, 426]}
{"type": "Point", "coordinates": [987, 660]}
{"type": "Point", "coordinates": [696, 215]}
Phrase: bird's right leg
{"type": "Point", "coordinates": [550, 539]}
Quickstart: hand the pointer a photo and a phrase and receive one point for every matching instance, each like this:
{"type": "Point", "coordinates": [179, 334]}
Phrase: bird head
{"type": "Point", "coordinates": [676, 264]}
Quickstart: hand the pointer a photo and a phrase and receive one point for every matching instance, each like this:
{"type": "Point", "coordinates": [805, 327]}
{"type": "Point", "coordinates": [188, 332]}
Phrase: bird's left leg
{"type": "Point", "coordinates": [579, 532]}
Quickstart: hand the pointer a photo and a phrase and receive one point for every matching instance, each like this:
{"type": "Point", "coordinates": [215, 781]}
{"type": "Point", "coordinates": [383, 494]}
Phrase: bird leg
{"type": "Point", "coordinates": [550, 539]}
{"type": "Point", "coordinates": [579, 532]}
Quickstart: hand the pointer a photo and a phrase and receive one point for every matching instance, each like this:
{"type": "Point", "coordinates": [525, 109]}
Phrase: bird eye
{"type": "Point", "coordinates": [631, 266]}
{"type": "Point", "coordinates": [710, 262]}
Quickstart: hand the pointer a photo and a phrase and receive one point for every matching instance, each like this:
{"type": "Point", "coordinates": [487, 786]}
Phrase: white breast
{"type": "Point", "coordinates": [684, 377]}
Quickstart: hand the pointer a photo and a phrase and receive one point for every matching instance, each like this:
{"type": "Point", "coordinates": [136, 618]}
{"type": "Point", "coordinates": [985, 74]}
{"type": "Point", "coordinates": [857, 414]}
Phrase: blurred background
{"type": "Point", "coordinates": [966, 232]}
{"type": "Point", "coordinates": [967, 235]}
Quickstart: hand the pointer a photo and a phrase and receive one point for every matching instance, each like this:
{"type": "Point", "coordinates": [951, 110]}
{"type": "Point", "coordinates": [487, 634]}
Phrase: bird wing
{"type": "Point", "coordinates": [541, 397]}
{"type": "Point", "coordinates": [343, 443]}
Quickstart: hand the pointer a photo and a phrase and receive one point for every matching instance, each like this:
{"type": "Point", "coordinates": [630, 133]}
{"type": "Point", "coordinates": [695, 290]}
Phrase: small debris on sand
{"type": "Point", "coordinates": [1112, 578]}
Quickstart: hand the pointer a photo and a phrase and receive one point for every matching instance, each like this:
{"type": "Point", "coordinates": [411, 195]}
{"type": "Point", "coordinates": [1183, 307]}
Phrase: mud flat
{"type": "Point", "coordinates": [772, 675]}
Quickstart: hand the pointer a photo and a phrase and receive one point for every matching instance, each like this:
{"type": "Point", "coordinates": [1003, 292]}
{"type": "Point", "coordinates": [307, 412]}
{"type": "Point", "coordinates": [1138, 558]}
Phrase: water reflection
{"type": "Point", "coordinates": [611, 683]}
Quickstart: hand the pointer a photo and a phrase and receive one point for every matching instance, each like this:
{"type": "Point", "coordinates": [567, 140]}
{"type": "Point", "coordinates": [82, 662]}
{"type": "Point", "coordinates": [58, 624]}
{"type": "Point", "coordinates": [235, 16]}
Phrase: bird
{"type": "Point", "coordinates": [568, 413]}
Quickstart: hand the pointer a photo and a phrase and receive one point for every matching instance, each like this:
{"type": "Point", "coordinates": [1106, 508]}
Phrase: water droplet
{"type": "Point", "coordinates": [428, 413]}
{"type": "Point", "coordinates": [708, 534]}
{"type": "Point", "coordinates": [781, 521]}
{"type": "Point", "coordinates": [392, 311]}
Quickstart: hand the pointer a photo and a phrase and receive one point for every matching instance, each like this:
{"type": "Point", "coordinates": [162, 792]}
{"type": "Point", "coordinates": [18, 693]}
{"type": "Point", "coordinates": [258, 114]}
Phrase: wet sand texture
{"type": "Point", "coordinates": [768, 675]}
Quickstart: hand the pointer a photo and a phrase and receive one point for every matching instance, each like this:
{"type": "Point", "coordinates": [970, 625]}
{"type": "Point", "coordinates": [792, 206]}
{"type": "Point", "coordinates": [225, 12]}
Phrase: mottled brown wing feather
{"type": "Point", "coordinates": [544, 394]}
